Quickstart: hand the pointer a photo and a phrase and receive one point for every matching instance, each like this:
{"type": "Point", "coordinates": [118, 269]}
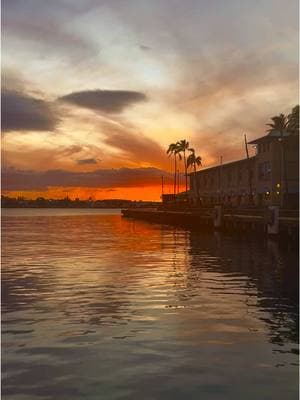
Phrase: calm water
{"type": "Point", "coordinates": [95, 306]}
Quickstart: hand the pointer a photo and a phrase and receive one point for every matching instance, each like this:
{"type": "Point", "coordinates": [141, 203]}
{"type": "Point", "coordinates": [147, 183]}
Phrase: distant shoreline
{"type": "Point", "coordinates": [41, 202]}
{"type": "Point", "coordinates": [59, 207]}
{"type": "Point", "coordinates": [72, 208]}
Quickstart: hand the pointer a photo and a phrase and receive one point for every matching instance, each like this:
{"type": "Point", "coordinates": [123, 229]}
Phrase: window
{"type": "Point", "coordinates": [264, 171]}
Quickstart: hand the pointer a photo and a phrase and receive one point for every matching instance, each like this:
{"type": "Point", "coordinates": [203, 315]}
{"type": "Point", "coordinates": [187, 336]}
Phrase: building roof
{"type": "Point", "coordinates": [269, 137]}
{"type": "Point", "coordinates": [227, 164]}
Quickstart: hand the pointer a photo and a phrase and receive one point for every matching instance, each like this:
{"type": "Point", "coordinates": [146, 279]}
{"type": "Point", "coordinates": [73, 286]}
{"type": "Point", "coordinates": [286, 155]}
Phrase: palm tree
{"type": "Point", "coordinates": [279, 127]}
{"type": "Point", "coordinates": [183, 146]}
{"type": "Point", "coordinates": [173, 149]}
{"type": "Point", "coordinates": [194, 161]}
{"type": "Point", "coordinates": [293, 121]}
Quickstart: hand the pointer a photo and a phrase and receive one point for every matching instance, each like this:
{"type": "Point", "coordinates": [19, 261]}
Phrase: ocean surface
{"type": "Point", "coordinates": [95, 306]}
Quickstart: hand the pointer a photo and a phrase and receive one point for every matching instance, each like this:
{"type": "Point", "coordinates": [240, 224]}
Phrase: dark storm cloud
{"type": "Point", "coordinates": [111, 101]}
{"type": "Point", "coordinates": [87, 161]}
{"type": "Point", "coordinates": [14, 179]}
{"type": "Point", "coordinates": [22, 112]}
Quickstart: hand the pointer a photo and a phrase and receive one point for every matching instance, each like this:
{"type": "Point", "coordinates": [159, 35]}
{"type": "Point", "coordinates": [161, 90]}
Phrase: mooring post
{"type": "Point", "coordinates": [218, 216]}
{"type": "Point", "coordinates": [273, 220]}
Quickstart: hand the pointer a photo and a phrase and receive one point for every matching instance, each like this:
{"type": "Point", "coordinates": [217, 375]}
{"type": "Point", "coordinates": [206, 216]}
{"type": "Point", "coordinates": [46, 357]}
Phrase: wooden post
{"type": "Point", "coordinates": [273, 220]}
{"type": "Point", "coordinates": [221, 161]}
{"type": "Point", "coordinates": [217, 216]}
{"type": "Point", "coordinates": [249, 172]}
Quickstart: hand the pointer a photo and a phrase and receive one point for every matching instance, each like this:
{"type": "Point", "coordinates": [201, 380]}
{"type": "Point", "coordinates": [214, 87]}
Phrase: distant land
{"type": "Point", "coordinates": [41, 202]}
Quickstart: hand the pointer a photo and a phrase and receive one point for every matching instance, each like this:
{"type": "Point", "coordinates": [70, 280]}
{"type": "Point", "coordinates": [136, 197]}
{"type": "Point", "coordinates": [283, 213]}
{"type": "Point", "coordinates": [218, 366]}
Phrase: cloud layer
{"type": "Point", "coordinates": [13, 179]}
{"type": "Point", "coordinates": [87, 161]}
{"type": "Point", "coordinates": [110, 101]}
{"type": "Point", "coordinates": [206, 71]}
{"type": "Point", "coordinates": [22, 112]}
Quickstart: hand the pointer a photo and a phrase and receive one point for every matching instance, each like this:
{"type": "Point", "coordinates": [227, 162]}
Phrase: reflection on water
{"type": "Point", "coordinates": [99, 307]}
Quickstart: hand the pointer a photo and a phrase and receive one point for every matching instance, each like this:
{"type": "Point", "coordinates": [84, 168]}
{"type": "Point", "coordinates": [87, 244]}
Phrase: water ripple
{"type": "Point", "coordinates": [99, 307]}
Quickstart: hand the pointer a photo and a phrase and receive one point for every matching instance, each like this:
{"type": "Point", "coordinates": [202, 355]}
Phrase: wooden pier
{"type": "Point", "coordinates": [270, 221]}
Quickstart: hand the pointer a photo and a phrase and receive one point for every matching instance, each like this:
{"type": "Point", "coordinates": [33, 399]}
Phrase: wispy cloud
{"type": "Point", "coordinates": [144, 47]}
{"type": "Point", "coordinates": [132, 145]}
{"type": "Point", "coordinates": [43, 27]}
{"type": "Point", "coordinates": [207, 71]}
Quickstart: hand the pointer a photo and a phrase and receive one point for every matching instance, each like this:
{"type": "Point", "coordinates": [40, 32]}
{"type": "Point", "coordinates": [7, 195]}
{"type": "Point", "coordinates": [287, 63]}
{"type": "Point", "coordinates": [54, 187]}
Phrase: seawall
{"type": "Point", "coordinates": [273, 222]}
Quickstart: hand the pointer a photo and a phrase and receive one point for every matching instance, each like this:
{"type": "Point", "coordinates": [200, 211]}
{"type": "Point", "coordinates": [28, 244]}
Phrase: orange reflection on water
{"type": "Point", "coordinates": [123, 295]}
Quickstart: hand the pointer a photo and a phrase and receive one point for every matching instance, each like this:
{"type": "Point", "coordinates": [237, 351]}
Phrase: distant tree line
{"type": "Point", "coordinates": [41, 202]}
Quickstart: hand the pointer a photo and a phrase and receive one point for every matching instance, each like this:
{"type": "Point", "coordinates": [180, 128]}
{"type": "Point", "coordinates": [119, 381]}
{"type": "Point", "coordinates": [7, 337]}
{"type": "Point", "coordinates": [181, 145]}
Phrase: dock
{"type": "Point", "coordinates": [272, 221]}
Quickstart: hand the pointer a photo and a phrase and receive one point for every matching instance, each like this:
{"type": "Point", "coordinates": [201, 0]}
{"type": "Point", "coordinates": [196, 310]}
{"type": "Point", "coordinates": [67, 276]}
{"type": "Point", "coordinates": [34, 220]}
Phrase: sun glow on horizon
{"type": "Point", "coordinates": [147, 193]}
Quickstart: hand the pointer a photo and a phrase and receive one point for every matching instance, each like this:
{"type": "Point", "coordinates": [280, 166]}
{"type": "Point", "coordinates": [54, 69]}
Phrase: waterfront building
{"type": "Point", "coordinates": [270, 177]}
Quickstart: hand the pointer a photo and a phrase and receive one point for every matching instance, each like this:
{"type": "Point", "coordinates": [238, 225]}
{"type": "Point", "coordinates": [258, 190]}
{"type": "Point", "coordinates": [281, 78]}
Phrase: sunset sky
{"type": "Point", "coordinates": [93, 91]}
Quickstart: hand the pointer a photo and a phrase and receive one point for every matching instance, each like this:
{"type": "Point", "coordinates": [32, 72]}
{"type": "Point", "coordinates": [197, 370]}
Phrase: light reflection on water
{"type": "Point", "coordinates": [95, 306]}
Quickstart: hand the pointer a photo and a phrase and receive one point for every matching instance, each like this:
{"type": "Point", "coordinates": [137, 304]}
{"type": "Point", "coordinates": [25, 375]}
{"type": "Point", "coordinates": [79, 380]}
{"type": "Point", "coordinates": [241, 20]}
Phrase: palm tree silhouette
{"type": "Point", "coordinates": [194, 161]}
{"type": "Point", "coordinates": [173, 149]}
{"type": "Point", "coordinates": [183, 146]}
{"type": "Point", "coordinates": [279, 128]}
{"type": "Point", "coordinates": [293, 121]}
{"type": "Point", "coordinates": [279, 125]}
